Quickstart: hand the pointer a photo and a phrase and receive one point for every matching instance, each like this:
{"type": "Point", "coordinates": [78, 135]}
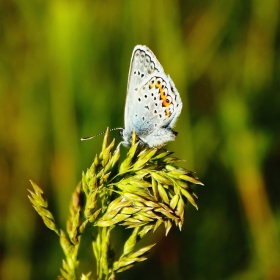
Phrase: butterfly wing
{"type": "Point", "coordinates": [156, 108]}
{"type": "Point", "coordinates": [142, 65]}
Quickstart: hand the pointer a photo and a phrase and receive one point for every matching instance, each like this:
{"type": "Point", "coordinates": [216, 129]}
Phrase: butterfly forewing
{"type": "Point", "coordinates": [142, 65]}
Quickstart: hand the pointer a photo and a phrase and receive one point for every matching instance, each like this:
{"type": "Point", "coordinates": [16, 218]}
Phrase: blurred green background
{"type": "Point", "coordinates": [63, 75]}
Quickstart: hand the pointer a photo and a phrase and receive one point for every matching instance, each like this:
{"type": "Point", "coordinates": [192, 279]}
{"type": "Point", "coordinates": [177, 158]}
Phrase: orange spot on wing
{"type": "Point", "coordinates": [163, 97]}
{"type": "Point", "coordinates": [165, 103]}
{"type": "Point", "coordinates": [167, 112]}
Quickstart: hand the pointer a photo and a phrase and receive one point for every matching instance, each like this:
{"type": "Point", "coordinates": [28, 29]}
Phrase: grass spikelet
{"type": "Point", "coordinates": [141, 193]}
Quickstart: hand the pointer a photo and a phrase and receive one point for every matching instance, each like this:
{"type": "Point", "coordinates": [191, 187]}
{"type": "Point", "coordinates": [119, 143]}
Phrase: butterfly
{"type": "Point", "coordinates": [153, 103]}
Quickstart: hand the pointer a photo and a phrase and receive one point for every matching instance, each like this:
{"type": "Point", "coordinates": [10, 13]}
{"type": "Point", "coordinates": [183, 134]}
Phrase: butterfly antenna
{"type": "Point", "coordinates": [93, 136]}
